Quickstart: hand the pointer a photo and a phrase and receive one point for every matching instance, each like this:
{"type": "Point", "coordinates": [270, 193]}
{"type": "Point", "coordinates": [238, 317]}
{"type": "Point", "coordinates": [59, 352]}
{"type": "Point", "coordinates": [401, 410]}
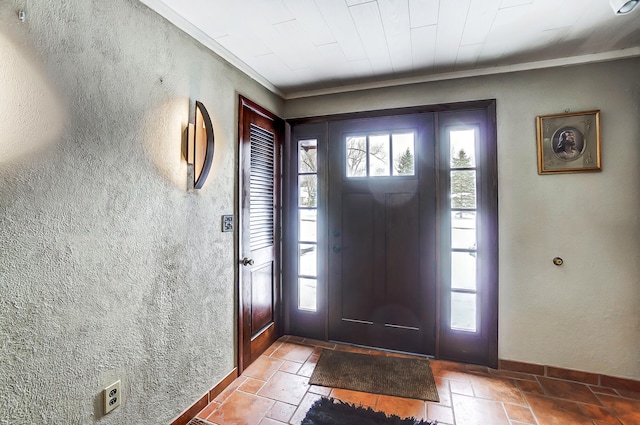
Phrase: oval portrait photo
{"type": "Point", "coordinates": [568, 143]}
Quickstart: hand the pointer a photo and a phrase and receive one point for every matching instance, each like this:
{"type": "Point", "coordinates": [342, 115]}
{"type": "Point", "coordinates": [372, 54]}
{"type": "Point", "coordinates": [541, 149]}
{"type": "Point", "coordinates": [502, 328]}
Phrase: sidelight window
{"type": "Point", "coordinates": [463, 229]}
{"type": "Point", "coordinates": [307, 225]}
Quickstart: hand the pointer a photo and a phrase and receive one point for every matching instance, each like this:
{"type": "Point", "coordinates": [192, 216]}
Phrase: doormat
{"type": "Point", "coordinates": [378, 374]}
{"type": "Point", "coordinates": [327, 411]}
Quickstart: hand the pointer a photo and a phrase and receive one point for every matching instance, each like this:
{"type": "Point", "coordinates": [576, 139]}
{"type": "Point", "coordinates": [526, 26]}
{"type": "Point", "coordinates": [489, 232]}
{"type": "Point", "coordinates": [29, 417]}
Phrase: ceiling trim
{"type": "Point", "coordinates": [179, 21]}
{"type": "Point", "coordinates": [551, 63]}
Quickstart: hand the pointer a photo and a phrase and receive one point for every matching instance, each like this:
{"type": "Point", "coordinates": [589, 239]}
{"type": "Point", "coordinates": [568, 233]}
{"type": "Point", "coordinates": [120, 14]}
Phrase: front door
{"type": "Point", "coordinates": [392, 230]}
{"type": "Point", "coordinates": [382, 233]}
{"type": "Point", "coordinates": [259, 299]}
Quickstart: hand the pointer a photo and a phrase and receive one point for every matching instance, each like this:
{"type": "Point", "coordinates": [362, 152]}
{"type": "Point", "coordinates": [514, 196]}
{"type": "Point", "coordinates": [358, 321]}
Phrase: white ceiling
{"type": "Point", "coordinates": [303, 47]}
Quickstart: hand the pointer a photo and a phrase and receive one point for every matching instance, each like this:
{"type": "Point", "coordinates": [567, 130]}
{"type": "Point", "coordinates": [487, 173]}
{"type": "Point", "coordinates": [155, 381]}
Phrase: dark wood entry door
{"type": "Point", "coordinates": [259, 292]}
{"type": "Point", "coordinates": [382, 233]}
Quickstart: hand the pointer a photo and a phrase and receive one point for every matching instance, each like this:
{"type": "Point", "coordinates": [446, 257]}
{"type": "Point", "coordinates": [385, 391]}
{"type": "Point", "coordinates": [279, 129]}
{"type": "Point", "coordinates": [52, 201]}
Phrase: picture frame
{"type": "Point", "coordinates": [569, 142]}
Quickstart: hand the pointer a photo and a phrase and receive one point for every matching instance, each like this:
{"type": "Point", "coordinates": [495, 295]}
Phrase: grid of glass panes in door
{"type": "Point", "coordinates": [380, 155]}
{"type": "Point", "coordinates": [307, 224]}
{"type": "Point", "coordinates": [464, 289]}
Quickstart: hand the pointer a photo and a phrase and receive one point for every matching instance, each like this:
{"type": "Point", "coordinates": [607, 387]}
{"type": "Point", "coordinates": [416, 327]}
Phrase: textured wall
{"type": "Point", "coordinates": [583, 315]}
{"type": "Point", "coordinates": [109, 267]}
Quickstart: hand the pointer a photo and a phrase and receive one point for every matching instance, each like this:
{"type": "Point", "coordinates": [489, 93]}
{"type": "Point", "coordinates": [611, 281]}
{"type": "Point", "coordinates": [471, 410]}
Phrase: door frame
{"type": "Point", "coordinates": [245, 353]}
{"type": "Point", "coordinates": [316, 325]}
{"type": "Point", "coordinates": [311, 324]}
{"type": "Point", "coordinates": [480, 347]}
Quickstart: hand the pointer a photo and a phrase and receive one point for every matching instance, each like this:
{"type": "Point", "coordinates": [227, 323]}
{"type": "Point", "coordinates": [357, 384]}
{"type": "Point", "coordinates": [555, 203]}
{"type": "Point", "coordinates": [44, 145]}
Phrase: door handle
{"type": "Point", "coordinates": [337, 248]}
{"type": "Point", "coordinates": [246, 261]}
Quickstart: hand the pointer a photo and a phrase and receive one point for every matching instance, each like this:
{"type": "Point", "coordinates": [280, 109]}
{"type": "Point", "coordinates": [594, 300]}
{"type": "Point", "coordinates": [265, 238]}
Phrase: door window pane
{"type": "Point", "coordinates": [463, 148]}
{"type": "Point", "coordinates": [356, 158]}
{"type": "Point", "coordinates": [379, 155]}
{"type": "Point", "coordinates": [307, 294]}
{"type": "Point", "coordinates": [308, 229]}
{"type": "Point", "coordinates": [307, 260]}
{"type": "Point", "coordinates": [463, 311]}
{"type": "Point", "coordinates": [308, 190]}
{"type": "Point", "coordinates": [463, 270]}
{"type": "Point", "coordinates": [403, 154]}
{"type": "Point", "coordinates": [463, 229]}
{"type": "Point", "coordinates": [308, 156]}
{"type": "Point", "coordinates": [463, 189]}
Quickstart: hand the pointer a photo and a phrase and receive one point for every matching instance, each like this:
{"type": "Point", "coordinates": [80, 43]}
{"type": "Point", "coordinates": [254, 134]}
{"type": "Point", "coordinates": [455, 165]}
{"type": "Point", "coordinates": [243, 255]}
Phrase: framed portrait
{"type": "Point", "coordinates": [569, 142]}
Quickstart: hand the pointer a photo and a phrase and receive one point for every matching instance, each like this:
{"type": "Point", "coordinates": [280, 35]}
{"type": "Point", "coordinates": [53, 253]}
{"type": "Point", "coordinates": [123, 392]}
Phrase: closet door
{"type": "Point", "coordinates": [259, 292]}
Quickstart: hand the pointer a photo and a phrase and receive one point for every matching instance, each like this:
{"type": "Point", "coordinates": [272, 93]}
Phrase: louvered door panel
{"type": "Point", "coordinates": [261, 215]}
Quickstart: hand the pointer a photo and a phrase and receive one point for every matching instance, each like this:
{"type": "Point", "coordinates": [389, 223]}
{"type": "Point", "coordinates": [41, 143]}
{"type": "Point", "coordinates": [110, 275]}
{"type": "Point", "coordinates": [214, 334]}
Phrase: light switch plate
{"type": "Point", "coordinates": [227, 223]}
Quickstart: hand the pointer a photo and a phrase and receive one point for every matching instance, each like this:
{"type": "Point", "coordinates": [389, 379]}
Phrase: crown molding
{"type": "Point", "coordinates": [528, 66]}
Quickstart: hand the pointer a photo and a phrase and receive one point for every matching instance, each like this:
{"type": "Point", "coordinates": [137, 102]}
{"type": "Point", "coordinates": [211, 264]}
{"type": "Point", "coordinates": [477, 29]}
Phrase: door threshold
{"type": "Point", "coordinates": [386, 350]}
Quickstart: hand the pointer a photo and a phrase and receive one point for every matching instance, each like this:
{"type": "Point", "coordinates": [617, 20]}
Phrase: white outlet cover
{"type": "Point", "coordinates": [112, 397]}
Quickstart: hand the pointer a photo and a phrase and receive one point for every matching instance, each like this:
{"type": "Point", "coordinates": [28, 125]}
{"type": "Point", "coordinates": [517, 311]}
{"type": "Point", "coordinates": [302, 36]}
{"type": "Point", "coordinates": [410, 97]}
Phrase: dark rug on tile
{"type": "Point", "coordinates": [378, 374]}
{"type": "Point", "coordinates": [327, 411]}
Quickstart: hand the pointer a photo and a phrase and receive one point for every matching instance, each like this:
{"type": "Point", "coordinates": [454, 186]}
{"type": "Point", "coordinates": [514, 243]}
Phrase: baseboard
{"type": "Point", "coordinates": [202, 402]}
{"type": "Point", "coordinates": [589, 378]}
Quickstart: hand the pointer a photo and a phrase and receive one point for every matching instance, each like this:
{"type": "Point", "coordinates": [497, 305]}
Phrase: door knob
{"type": "Point", "coordinates": [337, 248]}
{"type": "Point", "coordinates": [247, 261]}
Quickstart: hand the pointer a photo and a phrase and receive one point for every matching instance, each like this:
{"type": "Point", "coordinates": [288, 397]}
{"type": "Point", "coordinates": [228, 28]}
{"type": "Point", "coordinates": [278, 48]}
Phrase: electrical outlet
{"type": "Point", "coordinates": [112, 397]}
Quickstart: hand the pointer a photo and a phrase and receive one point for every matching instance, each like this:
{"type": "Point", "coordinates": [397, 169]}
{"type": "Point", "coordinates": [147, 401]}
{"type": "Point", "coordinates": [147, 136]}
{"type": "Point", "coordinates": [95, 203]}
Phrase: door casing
{"type": "Point", "coordinates": [259, 288]}
{"type": "Point", "coordinates": [315, 325]}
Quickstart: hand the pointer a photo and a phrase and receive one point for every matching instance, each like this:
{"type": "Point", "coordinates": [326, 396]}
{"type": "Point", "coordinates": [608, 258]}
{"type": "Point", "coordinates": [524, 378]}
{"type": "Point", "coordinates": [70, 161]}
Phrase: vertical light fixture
{"type": "Point", "coordinates": [200, 145]}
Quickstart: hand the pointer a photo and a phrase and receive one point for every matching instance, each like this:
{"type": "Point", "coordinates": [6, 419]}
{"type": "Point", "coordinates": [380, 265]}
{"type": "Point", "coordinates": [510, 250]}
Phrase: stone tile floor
{"type": "Point", "coordinates": [274, 390]}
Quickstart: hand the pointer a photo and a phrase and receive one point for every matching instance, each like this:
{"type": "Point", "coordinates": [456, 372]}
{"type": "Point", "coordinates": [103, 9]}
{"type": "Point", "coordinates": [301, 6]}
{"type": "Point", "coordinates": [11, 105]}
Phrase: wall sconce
{"type": "Point", "coordinates": [200, 145]}
{"type": "Point", "coordinates": [622, 7]}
